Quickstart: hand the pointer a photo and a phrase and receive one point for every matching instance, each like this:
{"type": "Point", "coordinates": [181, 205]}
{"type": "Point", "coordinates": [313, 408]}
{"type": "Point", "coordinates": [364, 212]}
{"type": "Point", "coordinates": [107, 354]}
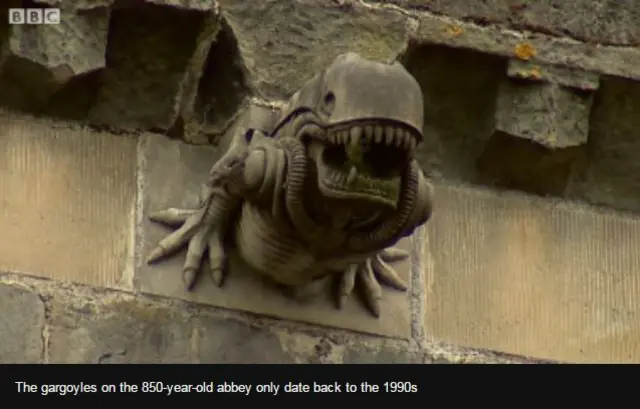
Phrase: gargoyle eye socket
{"type": "Point", "coordinates": [329, 103]}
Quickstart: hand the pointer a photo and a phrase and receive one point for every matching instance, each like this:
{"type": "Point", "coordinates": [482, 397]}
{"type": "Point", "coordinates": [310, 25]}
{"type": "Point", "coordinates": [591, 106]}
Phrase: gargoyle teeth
{"type": "Point", "coordinates": [379, 133]}
{"type": "Point", "coordinates": [356, 134]}
{"type": "Point", "coordinates": [368, 134]}
{"type": "Point", "coordinates": [351, 178]}
{"type": "Point", "coordinates": [397, 137]}
{"type": "Point", "coordinates": [391, 135]}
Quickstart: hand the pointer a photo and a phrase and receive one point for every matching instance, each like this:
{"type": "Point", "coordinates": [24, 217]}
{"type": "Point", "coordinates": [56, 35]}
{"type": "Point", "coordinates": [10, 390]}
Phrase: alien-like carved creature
{"type": "Point", "coordinates": [327, 191]}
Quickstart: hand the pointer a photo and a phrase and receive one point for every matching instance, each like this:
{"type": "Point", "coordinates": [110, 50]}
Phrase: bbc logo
{"type": "Point", "coordinates": [34, 16]}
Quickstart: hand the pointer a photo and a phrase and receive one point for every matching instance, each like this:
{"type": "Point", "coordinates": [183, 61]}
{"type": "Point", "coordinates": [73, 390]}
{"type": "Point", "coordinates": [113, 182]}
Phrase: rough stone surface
{"type": "Point", "coordinates": [619, 61]}
{"type": "Point", "coordinates": [150, 51]}
{"type": "Point", "coordinates": [67, 195]}
{"type": "Point", "coordinates": [117, 329]}
{"type": "Point", "coordinates": [40, 60]}
{"type": "Point", "coordinates": [546, 113]}
{"type": "Point", "coordinates": [538, 278]}
{"type": "Point", "coordinates": [568, 77]}
{"type": "Point", "coordinates": [283, 43]}
{"type": "Point", "coordinates": [228, 341]}
{"type": "Point", "coordinates": [614, 22]}
{"type": "Point", "coordinates": [21, 325]}
{"type": "Point", "coordinates": [173, 176]}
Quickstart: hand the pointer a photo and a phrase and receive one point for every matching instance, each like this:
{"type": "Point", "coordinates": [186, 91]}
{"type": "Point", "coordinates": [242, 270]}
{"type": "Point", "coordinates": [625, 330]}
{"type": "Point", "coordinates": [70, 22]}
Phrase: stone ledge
{"type": "Point", "coordinates": [592, 21]}
{"type": "Point", "coordinates": [88, 325]}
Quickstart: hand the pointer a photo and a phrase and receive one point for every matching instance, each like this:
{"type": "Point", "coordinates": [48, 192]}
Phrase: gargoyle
{"type": "Point", "coordinates": [327, 191]}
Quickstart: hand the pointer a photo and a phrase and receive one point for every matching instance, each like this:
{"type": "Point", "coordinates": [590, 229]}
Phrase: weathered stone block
{"type": "Point", "coordinates": [68, 196]}
{"type": "Point", "coordinates": [619, 61]}
{"type": "Point", "coordinates": [546, 104]}
{"type": "Point", "coordinates": [151, 55]}
{"type": "Point", "coordinates": [537, 277]}
{"type": "Point", "coordinates": [546, 113]}
{"type": "Point", "coordinates": [597, 21]}
{"type": "Point", "coordinates": [284, 42]}
{"type": "Point", "coordinates": [173, 175]}
{"type": "Point", "coordinates": [21, 325]}
{"type": "Point", "coordinates": [117, 329]}
{"type": "Point", "coordinates": [41, 59]}
{"type": "Point", "coordinates": [381, 355]}
{"type": "Point", "coordinates": [219, 340]}
{"type": "Point", "coordinates": [565, 76]}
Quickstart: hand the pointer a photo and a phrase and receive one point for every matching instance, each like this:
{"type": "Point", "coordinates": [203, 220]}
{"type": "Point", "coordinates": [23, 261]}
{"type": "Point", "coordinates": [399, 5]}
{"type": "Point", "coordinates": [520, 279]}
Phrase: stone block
{"type": "Point", "coordinates": [41, 59]}
{"type": "Point", "coordinates": [548, 49]}
{"type": "Point", "coordinates": [546, 104]}
{"type": "Point", "coordinates": [226, 341]}
{"type": "Point", "coordinates": [546, 113]}
{"type": "Point", "coordinates": [594, 21]}
{"type": "Point", "coordinates": [117, 329]}
{"type": "Point", "coordinates": [67, 198]}
{"type": "Point", "coordinates": [21, 326]}
{"type": "Point", "coordinates": [173, 175]}
{"type": "Point", "coordinates": [283, 43]}
{"type": "Point", "coordinates": [152, 52]}
{"type": "Point", "coordinates": [533, 277]}
{"type": "Point", "coordinates": [565, 76]}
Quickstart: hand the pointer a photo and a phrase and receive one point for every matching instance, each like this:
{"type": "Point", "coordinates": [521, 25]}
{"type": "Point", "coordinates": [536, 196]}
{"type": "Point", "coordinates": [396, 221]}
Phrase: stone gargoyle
{"type": "Point", "coordinates": [327, 191]}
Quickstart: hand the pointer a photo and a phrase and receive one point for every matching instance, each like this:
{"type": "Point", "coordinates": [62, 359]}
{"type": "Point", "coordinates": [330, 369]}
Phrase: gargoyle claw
{"type": "Point", "coordinates": [171, 217]}
{"type": "Point", "coordinates": [198, 231]}
{"type": "Point", "coordinates": [370, 274]}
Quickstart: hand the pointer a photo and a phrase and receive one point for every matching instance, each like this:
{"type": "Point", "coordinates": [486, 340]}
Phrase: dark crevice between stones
{"type": "Point", "coordinates": [513, 163]}
{"type": "Point", "coordinates": [460, 89]}
{"type": "Point", "coordinates": [75, 99]}
{"type": "Point", "coordinates": [223, 86]}
{"type": "Point", "coordinates": [609, 174]}
{"type": "Point", "coordinates": [149, 52]}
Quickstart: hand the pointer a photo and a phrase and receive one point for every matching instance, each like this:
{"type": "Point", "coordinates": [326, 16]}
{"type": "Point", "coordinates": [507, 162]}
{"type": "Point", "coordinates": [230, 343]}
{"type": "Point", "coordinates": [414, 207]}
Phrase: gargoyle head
{"type": "Point", "coordinates": [371, 116]}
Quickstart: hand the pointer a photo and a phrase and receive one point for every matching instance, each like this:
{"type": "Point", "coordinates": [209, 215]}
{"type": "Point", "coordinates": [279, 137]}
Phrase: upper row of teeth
{"type": "Point", "coordinates": [392, 136]}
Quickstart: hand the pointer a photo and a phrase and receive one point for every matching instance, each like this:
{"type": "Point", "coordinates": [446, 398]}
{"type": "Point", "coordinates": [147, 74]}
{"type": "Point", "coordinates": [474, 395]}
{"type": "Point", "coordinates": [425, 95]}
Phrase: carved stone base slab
{"type": "Point", "coordinates": [173, 175]}
{"type": "Point", "coordinates": [67, 199]}
{"type": "Point", "coordinates": [533, 276]}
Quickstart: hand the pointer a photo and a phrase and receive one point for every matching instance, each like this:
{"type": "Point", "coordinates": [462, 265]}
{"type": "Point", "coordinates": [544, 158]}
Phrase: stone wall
{"type": "Point", "coordinates": [532, 134]}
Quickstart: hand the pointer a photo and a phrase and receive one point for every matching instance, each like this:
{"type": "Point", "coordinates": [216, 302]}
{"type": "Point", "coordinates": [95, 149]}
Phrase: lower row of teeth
{"type": "Point", "coordinates": [389, 135]}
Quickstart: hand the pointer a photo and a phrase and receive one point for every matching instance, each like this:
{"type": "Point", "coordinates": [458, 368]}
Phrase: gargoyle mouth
{"type": "Point", "coordinates": [364, 161]}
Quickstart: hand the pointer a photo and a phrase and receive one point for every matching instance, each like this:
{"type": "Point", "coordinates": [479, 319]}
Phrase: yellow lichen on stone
{"type": "Point", "coordinates": [525, 51]}
{"type": "Point", "coordinates": [454, 31]}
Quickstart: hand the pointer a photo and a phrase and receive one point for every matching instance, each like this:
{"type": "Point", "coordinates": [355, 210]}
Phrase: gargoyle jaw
{"type": "Point", "coordinates": [365, 161]}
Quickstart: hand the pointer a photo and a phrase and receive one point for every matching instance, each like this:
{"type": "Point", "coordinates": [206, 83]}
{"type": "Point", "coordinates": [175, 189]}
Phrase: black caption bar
{"type": "Point", "coordinates": [307, 382]}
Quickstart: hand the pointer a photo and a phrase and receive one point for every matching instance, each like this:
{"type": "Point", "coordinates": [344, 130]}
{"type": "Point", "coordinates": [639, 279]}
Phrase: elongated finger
{"type": "Point", "coordinates": [177, 239]}
{"type": "Point", "coordinates": [172, 217]}
{"type": "Point", "coordinates": [371, 289]}
{"type": "Point", "coordinates": [217, 258]}
{"type": "Point", "coordinates": [193, 259]}
{"type": "Point", "coordinates": [347, 282]}
{"type": "Point", "coordinates": [387, 274]}
{"type": "Point", "coordinates": [392, 254]}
